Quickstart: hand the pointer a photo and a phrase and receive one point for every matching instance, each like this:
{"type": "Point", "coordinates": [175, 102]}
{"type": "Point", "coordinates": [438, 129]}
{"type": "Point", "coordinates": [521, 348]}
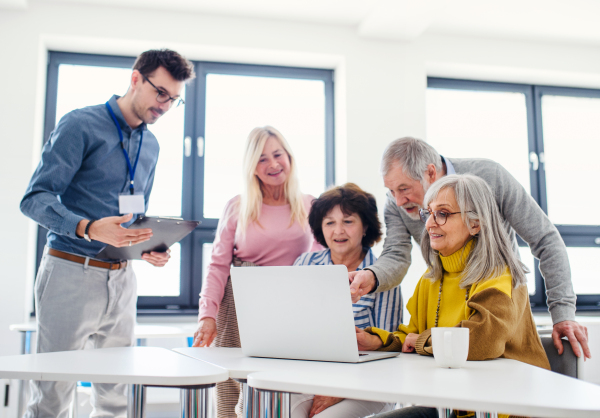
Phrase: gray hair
{"type": "Point", "coordinates": [492, 251]}
{"type": "Point", "coordinates": [413, 155]}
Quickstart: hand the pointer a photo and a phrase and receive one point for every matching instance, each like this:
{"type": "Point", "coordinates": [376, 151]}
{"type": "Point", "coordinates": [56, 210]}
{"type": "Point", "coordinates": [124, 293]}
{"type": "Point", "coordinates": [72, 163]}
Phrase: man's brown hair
{"type": "Point", "coordinates": [180, 68]}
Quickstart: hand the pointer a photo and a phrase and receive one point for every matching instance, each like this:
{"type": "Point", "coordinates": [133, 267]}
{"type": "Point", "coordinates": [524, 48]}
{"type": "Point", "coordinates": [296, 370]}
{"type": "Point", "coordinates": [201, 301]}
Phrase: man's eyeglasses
{"type": "Point", "coordinates": [439, 216]}
{"type": "Point", "coordinates": [163, 97]}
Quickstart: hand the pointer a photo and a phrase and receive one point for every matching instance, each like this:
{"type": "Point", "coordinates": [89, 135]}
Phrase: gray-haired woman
{"type": "Point", "coordinates": [474, 280]}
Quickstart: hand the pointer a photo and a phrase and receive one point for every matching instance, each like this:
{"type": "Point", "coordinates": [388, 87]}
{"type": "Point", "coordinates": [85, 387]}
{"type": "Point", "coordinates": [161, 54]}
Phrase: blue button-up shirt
{"type": "Point", "coordinates": [82, 172]}
{"type": "Point", "coordinates": [449, 167]}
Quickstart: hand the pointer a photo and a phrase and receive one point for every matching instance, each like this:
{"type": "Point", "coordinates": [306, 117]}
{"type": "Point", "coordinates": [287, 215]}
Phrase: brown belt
{"type": "Point", "coordinates": [81, 260]}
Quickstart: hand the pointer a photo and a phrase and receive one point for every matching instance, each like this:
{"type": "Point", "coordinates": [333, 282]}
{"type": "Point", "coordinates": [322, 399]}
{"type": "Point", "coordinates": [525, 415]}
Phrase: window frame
{"type": "Point", "coordinates": [572, 235]}
{"type": "Point", "coordinates": [193, 165]}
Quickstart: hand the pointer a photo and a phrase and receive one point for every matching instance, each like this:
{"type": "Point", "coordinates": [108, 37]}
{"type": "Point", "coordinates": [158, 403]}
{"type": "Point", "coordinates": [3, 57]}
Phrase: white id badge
{"type": "Point", "coordinates": [131, 203]}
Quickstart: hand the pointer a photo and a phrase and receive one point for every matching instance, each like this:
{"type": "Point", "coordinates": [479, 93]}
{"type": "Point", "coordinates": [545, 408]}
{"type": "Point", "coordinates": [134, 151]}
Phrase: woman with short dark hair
{"type": "Point", "coordinates": [351, 199]}
{"type": "Point", "coordinates": [344, 220]}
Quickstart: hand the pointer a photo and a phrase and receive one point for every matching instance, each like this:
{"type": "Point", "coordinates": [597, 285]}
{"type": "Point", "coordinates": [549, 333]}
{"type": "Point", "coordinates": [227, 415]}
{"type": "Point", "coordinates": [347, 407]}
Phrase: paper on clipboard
{"type": "Point", "coordinates": [165, 232]}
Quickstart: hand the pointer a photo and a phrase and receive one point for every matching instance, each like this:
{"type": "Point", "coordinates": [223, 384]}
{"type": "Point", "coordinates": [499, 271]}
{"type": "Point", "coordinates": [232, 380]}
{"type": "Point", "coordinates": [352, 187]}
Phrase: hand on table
{"type": "Point", "coordinates": [410, 343]}
{"type": "Point", "coordinates": [361, 283]}
{"type": "Point", "coordinates": [321, 403]}
{"type": "Point", "coordinates": [366, 341]}
{"type": "Point", "coordinates": [576, 333]}
{"type": "Point", "coordinates": [109, 231]}
{"type": "Point", "coordinates": [157, 259]}
{"type": "Point", "coordinates": [206, 332]}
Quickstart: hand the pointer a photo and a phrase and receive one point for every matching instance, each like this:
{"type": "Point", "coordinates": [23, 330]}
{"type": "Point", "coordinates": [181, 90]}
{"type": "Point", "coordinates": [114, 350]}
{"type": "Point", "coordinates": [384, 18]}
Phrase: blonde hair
{"type": "Point", "coordinates": [252, 197]}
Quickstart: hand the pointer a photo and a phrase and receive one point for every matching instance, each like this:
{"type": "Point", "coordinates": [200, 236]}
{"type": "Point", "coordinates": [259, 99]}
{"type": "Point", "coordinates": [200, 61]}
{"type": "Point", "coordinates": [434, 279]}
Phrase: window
{"type": "Point", "coordinates": [202, 146]}
{"type": "Point", "coordinates": [548, 139]}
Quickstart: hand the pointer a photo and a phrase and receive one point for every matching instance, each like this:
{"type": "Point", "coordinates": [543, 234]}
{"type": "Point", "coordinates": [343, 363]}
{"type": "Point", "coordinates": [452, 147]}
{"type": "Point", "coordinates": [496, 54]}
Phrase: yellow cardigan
{"type": "Point", "coordinates": [498, 316]}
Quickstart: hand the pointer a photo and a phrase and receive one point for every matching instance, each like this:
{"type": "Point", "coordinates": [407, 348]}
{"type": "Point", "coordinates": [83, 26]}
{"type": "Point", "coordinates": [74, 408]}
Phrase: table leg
{"type": "Point", "coordinates": [73, 408]}
{"type": "Point", "coordinates": [25, 349]}
{"type": "Point", "coordinates": [270, 404]}
{"type": "Point", "coordinates": [444, 412]}
{"type": "Point", "coordinates": [21, 401]}
{"type": "Point", "coordinates": [136, 402]}
{"type": "Point", "coordinates": [196, 403]}
{"type": "Point", "coordinates": [254, 406]}
{"type": "Point", "coordinates": [248, 397]}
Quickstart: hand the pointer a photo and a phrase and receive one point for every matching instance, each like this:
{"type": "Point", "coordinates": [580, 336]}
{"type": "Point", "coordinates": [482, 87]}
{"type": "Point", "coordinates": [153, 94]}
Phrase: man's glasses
{"type": "Point", "coordinates": [439, 217]}
{"type": "Point", "coordinates": [163, 97]}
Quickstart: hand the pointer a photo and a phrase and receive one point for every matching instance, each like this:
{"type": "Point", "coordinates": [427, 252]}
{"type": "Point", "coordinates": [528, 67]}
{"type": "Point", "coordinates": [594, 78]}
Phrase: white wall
{"type": "Point", "coordinates": [380, 91]}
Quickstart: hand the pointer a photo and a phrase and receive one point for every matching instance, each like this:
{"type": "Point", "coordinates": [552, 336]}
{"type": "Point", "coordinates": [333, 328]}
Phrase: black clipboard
{"type": "Point", "coordinates": [165, 232]}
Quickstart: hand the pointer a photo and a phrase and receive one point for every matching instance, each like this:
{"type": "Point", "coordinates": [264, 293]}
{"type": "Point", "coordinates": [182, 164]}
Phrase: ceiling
{"type": "Point", "coordinates": [575, 21]}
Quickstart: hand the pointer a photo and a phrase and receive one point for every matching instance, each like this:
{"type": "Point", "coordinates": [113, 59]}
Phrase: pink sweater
{"type": "Point", "coordinates": [276, 243]}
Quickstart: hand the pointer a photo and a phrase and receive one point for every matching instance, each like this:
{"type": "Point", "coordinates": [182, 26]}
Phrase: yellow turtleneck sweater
{"type": "Point", "coordinates": [498, 316]}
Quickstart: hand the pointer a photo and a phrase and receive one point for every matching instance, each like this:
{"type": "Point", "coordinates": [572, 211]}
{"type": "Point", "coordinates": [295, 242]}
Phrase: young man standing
{"type": "Point", "coordinates": [98, 163]}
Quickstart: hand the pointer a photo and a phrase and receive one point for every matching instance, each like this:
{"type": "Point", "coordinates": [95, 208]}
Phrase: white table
{"type": "Point", "coordinates": [240, 367]}
{"type": "Point", "coordinates": [500, 385]}
{"type": "Point", "coordinates": [136, 366]}
{"type": "Point", "coordinates": [141, 333]}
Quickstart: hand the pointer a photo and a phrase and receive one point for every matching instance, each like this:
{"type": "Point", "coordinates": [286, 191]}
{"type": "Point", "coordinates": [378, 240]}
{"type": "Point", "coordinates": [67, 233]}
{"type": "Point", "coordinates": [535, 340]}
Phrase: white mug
{"type": "Point", "coordinates": [450, 346]}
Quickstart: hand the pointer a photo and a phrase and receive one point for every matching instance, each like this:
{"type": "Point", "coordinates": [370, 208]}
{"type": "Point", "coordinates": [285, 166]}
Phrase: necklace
{"type": "Point", "coordinates": [437, 311]}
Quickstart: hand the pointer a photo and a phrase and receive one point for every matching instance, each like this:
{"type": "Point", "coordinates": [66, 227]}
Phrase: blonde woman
{"type": "Point", "coordinates": [267, 226]}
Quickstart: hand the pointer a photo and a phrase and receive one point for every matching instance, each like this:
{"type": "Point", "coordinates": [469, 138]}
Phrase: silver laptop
{"type": "Point", "coordinates": [302, 313]}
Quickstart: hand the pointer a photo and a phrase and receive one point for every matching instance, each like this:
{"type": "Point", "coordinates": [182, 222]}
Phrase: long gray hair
{"type": "Point", "coordinates": [413, 155]}
{"type": "Point", "coordinates": [492, 250]}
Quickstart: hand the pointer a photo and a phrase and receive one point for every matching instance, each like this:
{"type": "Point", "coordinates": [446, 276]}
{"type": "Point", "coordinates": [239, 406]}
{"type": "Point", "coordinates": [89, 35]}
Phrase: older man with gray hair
{"type": "Point", "coordinates": [409, 166]}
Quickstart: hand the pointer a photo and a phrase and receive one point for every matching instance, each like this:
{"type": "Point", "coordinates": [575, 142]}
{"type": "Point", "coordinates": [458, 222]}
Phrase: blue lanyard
{"type": "Point", "coordinates": [137, 158]}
